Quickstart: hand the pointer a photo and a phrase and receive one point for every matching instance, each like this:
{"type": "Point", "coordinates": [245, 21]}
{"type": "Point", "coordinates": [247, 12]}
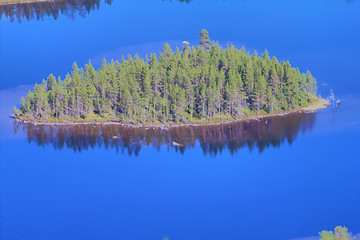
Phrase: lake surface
{"type": "Point", "coordinates": [287, 177]}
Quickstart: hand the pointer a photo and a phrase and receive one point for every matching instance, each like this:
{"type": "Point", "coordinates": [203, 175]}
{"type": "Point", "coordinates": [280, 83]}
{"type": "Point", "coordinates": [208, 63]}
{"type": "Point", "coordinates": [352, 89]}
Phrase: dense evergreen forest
{"type": "Point", "coordinates": [202, 84]}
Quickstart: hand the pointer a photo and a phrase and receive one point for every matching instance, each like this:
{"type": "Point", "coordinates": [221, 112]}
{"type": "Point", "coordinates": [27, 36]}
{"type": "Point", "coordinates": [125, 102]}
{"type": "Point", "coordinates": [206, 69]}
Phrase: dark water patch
{"type": "Point", "coordinates": [38, 10]}
{"type": "Point", "coordinates": [255, 134]}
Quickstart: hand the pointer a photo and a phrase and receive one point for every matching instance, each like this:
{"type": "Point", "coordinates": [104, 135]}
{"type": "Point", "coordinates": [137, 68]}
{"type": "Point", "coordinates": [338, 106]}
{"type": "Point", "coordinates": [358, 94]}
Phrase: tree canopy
{"type": "Point", "coordinates": [204, 39]}
{"type": "Point", "coordinates": [340, 233]}
{"type": "Point", "coordinates": [205, 83]}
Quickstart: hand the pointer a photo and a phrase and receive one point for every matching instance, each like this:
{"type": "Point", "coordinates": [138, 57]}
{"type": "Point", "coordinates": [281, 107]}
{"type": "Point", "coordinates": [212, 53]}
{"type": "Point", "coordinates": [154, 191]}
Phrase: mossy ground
{"type": "Point", "coordinates": [317, 104]}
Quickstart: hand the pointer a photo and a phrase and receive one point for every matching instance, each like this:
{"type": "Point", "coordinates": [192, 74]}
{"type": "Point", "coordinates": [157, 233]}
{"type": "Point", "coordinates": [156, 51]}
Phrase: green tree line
{"type": "Point", "coordinates": [203, 83]}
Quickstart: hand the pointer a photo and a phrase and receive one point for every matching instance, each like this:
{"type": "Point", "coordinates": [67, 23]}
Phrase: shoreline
{"type": "Point", "coordinates": [322, 103]}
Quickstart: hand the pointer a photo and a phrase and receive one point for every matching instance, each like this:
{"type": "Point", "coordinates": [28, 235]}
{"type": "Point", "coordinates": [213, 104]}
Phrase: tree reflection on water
{"type": "Point", "coordinates": [259, 134]}
{"type": "Point", "coordinates": [38, 10]}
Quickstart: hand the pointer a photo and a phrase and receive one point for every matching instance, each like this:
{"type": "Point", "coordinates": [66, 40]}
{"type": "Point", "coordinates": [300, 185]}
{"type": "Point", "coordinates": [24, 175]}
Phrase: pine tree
{"type": "Point", "coordinates": [204, 39]}
{"type": "Point", "coordinates": [259, 94]}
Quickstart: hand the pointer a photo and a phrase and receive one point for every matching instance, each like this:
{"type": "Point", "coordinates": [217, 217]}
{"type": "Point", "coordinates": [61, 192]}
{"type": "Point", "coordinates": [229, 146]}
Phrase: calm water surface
{"type": "Point", "coordinates": [280, 178]}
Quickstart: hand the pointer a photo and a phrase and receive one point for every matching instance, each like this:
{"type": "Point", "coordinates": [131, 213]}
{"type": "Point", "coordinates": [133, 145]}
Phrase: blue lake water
{"type": "Point", "coordinates": [282, 178]}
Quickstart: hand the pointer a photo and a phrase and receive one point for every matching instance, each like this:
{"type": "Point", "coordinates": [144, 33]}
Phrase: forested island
{"type": "Point", "coordinates": [206, 84]}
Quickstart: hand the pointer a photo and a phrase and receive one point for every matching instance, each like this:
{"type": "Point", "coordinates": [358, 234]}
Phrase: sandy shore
{"type": "Point", "coordinates": [322, 103]}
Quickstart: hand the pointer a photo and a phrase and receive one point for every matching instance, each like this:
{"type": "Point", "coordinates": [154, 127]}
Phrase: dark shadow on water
{"type": "Point", "coordinates": [259, 134]}
{"type": "Point", "coordinates": [39, 10]}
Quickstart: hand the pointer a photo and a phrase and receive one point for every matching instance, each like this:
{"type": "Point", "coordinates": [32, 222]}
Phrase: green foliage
{"type": "Point", "coordinates": [206, 83]}
{"type": "Point", "coordinates": [204, 39]}
{"type": "Point", "coordinates": [340, 233]}
{"type": "Point", "coordinates": [16, 111]}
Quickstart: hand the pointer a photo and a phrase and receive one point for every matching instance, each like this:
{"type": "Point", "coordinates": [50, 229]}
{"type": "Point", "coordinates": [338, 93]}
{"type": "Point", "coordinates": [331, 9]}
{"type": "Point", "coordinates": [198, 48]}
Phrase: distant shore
{"type": "Point", "coordinates": [319, 104]}
{"type": "Point", "coordinates": [10, 2]}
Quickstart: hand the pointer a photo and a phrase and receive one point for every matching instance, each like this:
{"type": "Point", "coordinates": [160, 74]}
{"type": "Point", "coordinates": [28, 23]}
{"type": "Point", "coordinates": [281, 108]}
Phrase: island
{"type": "Point", "coordinates": [206, 84]}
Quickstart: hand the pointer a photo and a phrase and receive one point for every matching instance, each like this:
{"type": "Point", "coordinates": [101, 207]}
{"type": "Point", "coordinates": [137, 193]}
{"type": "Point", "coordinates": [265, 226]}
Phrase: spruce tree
{"type": "Point", "coordinates": [204, 39]}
